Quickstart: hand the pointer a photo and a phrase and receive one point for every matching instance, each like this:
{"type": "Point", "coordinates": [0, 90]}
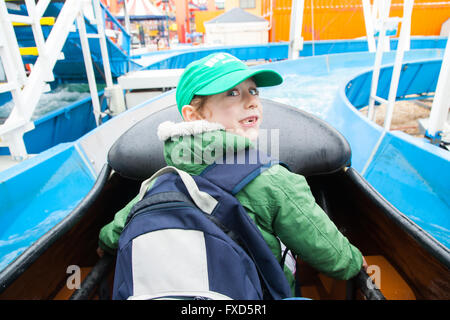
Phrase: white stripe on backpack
{"type": "Point", "coordinates": [162, 262]}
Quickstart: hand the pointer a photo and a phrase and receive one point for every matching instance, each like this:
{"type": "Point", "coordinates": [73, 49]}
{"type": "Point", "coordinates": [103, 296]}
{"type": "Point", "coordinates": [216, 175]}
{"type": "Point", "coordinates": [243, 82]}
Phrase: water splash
{"type": "Point", "coordinates": [62, 96]}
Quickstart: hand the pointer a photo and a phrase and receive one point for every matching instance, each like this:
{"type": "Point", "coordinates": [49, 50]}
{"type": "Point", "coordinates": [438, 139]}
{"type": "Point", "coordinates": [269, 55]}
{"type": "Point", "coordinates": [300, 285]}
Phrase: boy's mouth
{"type": "Point", "coordinates": [249, 121]}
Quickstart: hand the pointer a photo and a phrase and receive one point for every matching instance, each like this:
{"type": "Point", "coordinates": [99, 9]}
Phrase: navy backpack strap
{"type": "Point", "coordinates": [234, 174]}
{"type": "Point", "coordinates": [232, 177]}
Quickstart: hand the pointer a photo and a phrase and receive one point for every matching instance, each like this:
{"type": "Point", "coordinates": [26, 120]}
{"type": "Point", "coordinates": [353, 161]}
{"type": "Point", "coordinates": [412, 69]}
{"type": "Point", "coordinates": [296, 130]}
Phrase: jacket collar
{"type": "Point", "coordinates": [189, 147]}
{"type": "Point", "coordinates": [169, 129]}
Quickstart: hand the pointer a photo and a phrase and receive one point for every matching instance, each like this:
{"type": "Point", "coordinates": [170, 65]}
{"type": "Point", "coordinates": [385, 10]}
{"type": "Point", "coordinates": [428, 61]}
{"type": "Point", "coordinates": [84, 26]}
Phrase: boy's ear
{"type": "Point", "coordinates": [190, 114]}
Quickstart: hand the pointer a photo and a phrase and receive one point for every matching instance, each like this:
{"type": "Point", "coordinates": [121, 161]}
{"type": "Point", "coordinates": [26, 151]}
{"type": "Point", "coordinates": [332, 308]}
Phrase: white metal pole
{"type": "Point", "coordinates": [127, 27]}
{"type": "Point", "coordinates": [384, 7]}
{"type": "Point", "coordinates": [377, 66]}
{"type": "Point", "coordinates": [441, 102]}
{"type": "Point", "coordinates": [38, 35]}
{"type": "Point", "coordinates": [271, 16]}
{"type": "Point", "coordinates": [88, 65]}
{"type": "Point", "coordinates": [126, 17]}
{"type": "Point", "coordinates": [36, 25]}
{"type": "Point", "coordinates": [407, 15]}
{"type": "Point", "coordinates": [408, 4]}
{"type": "Point", "coordinates": [16, 146]}
{"type": "Point", "coordinates": [15, 74]}
{"type": "Point", "coordinates": [12, 45]}
{"type": "Point", "coordinates": [295, 32]}
{"type": "Point", "coordinates": [13, 81]}
{"type": "Point", "coordinates": [13, 138]}
{"type": "Point", "coordinates": [375, 10]}
{"type": "Point", "coordinates": [103, 46]}
{"type": "Point", "coordinates": [368, 19]}
{"type": "Point", "coordinates": [41, 6]}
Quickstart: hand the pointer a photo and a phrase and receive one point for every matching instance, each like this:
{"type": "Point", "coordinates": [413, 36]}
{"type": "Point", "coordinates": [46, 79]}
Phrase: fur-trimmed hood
{"type": "Point", "coordinates": [191, 146]}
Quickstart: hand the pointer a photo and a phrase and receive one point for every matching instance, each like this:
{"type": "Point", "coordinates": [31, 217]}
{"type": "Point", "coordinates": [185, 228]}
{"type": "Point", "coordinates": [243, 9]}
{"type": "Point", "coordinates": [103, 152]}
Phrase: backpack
{"type": "Point", "coordinates": [190, 238]}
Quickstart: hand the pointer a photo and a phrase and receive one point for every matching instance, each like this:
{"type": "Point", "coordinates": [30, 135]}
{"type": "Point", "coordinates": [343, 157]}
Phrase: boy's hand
{"type": "Point", "coordinates": [365, 265]}
{"type": "Point", "coordinates": [100, 252]}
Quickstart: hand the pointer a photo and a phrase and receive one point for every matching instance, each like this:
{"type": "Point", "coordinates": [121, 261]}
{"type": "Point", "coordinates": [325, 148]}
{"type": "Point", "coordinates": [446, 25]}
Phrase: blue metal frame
{"type": "Point", "coordinates": [64, 125]}
{"type": "Point", "coordinates": [180, 59]}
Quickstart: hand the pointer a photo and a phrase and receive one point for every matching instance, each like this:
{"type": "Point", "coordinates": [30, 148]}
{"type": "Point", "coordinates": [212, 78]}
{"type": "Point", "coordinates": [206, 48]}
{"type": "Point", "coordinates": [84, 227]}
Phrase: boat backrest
{"type": "Point", "coordinates": [309, 145]}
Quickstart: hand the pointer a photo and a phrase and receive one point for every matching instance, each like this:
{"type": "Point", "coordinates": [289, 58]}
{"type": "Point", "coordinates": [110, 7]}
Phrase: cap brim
{"type": "Point", "coordinates": [263, 78]}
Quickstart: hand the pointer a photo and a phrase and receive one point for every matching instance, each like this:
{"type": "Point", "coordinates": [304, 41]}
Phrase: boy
{"type": "Point", "coordinates": [218, 94]}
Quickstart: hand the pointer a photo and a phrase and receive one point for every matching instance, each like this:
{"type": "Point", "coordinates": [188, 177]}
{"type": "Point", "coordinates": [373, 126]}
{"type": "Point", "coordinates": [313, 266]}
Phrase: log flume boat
{"type": "Point", "coordinates": [408, 262]}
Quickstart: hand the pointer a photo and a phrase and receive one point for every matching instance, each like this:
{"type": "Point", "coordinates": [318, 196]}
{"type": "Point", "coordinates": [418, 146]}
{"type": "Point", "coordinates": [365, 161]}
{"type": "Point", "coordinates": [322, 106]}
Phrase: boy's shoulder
{"type": "Point", "coordinates": [272, 185]}
{"type": "Point", "coordinates": [278, 176]}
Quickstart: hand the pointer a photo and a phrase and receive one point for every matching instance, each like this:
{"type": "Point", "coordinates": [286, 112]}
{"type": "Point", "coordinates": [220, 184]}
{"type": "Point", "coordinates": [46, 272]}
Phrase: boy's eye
{"type": "Point", "coordinates": [233, 92]}
{"type": "Point", "coordinates": [254, 92]}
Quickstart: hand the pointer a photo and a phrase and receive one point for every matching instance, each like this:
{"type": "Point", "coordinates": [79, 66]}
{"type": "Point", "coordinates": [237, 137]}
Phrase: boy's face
{"type": "Point", "coordinates": [239, 109]}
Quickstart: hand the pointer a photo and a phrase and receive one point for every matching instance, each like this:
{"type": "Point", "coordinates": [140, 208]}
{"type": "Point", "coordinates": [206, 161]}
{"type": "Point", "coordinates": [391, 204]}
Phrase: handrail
{"type": "Point", "coordinates": [93, 279]}
{"type": "Point", "coordinates": [127, 37]}
{"type": "Point", "coordinates": [439, 109]}
{"type": "Point", "coordinates": [367, 287]}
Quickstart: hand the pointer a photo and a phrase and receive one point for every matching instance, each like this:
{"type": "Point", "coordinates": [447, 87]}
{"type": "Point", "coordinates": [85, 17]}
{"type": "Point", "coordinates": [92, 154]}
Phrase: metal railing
{"type": "Point", "coordinates": [378, 22]}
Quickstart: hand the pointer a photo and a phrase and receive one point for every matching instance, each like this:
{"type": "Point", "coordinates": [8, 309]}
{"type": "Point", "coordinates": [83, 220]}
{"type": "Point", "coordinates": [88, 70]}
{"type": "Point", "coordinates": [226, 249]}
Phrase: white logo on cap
{"type": "Point", "coordinates": [220, 57]}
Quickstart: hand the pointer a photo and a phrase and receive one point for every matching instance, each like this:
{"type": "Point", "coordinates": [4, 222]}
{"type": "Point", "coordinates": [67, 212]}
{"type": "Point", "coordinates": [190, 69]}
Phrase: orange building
{"type": "Point", "coordinates": [344, 19]}
{"type": "Point", "coordinates": [322, 19]}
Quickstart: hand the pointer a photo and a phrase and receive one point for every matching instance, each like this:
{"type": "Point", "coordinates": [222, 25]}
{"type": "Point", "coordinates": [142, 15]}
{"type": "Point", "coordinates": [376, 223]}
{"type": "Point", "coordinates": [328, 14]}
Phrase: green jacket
{"type": "Point", "coordinates": [279, 202]}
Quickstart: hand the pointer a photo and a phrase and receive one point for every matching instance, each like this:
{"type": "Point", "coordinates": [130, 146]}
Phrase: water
{"type": "Point", "coordinates": [62, 96]}
{"type": "Point", "coordinates": [307, 92]}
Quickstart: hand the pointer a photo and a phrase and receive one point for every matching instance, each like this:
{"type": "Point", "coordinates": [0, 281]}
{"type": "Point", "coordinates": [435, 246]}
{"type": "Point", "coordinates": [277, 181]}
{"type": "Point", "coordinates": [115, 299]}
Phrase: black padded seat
{"type": "Point", "coordinates": [309, 145]}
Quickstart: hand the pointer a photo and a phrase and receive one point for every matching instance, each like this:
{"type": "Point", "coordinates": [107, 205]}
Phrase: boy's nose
{"type": "Point", "coordinates": [251, 105]}
{"type": "Point", "coordinates": [252, 102]}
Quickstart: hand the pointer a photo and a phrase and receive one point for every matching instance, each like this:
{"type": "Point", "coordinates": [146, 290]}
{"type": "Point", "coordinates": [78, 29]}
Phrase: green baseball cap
{"type": "Point", "coordinates": [216, 73]}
